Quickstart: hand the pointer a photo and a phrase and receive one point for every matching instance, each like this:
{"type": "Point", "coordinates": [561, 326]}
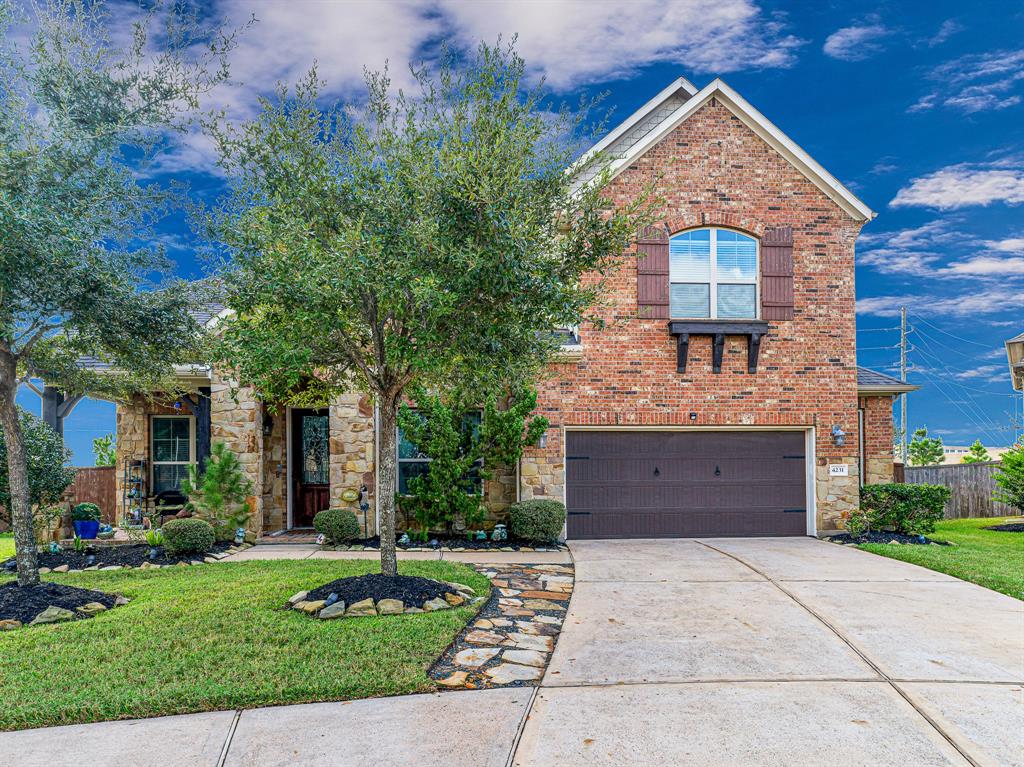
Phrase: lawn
{"type": "Point", "coordinates": [6, 546]}
{"type": "Point", "coordinates": [215, 637]}
{"type": "Point", "coordinates": [989, 558]}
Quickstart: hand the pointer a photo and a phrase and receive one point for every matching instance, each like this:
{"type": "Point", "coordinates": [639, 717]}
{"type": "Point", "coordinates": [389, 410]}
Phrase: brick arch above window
{"type": "Point", "coordinates": [724, 219]}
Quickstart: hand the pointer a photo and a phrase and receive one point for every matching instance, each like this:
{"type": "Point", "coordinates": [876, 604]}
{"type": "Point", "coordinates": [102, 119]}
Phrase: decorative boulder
{"type": "Point", "coordinates": [361, 609]}
{"type": "Point", "coordinates": [90, 609]}
{"type": "Point", "coordinates": [390, 607]}
{"type": "Point", "coordinates": [335, 610]}
{"type": "Point", "coordinates": [435, 604]}
{"type": "Point", "coordinates": [53, 614]}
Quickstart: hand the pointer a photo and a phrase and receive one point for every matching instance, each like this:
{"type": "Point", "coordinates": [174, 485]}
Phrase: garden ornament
{"type": "Point", "coordinates": [500, 533]}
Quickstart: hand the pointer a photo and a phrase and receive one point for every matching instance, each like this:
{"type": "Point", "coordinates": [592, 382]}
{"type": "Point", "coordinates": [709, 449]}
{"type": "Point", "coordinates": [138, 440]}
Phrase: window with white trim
{"type": "Point", "coordinates": [172, 450]}
{"type": "Point", "coordinates": [412, 462]}
{"type": "Point", "coordinates": [713, 275]}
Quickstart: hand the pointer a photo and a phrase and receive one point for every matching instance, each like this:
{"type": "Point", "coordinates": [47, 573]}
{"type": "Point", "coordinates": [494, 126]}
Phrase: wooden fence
{"type": "Point", "coordinates": [971, 486]}
{"type": "Point", "coordinates": [95, 484]}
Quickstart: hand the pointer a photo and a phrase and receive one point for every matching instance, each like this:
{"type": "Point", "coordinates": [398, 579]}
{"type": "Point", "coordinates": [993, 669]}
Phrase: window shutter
{"type": "Point", "coordinates": [777, 274]}
{"type": "Point", "coordinates": [652, 273]}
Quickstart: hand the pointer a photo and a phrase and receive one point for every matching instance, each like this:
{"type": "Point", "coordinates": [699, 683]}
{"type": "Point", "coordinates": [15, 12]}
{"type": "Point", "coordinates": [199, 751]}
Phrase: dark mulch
{"type": "Point", "coordinates": [23, 603]}
{"type": "Point", "coordinates": [1009, 527]}
{"type": "Point", "coordinates": [409, 589]}
{"type": "Point", "coordinates": [455, 542]}
{"type": "Point", "coordinates": [126, 555]}
{"type": "Point", "coordinates": [876, 537]}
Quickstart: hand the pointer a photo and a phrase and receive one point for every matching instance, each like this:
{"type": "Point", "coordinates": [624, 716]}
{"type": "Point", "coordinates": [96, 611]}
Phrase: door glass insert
{"type": "Point", "coordinates": [315, 450]}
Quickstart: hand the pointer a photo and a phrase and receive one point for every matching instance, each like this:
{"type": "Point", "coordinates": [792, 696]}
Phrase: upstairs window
{"type": "Point", "coordinates": [713, 275]}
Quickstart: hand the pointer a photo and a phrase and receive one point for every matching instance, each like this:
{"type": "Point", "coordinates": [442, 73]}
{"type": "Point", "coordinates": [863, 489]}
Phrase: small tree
{"type": "Point", "coordinates": [1010, 478]}
{"type": "Point", "coordinates": [104, 450]}
{"type": "Point", "coordinates": [976, 454]}
{"type": "Point", "coordinates": [77, 112]}
{"type": "Point", "coordinates": [221, 494]}
{"type": "Point", "coordinates": [464, 453]}
{"type": "Point", "coordinates": [436, 238]}
{"type": "Point", "coordinates": [48, 463]}
{"type": "Point", "coordinates": [924, 450]}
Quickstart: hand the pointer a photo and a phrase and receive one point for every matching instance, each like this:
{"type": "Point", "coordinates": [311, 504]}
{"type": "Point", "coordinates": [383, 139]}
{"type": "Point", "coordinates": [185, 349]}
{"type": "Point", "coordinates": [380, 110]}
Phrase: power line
{"type": "Point", "coordinates": [951, 335]}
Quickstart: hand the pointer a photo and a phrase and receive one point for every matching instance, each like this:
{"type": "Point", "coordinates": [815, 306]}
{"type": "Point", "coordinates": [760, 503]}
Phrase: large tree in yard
{"type": "Point", "coordinates": [79, 116]}
{"type": "Point", "coordinates": [410, 242]}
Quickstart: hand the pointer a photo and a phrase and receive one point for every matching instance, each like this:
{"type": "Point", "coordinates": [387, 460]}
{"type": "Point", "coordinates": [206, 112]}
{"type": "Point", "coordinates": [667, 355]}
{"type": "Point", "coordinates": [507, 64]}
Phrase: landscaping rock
{"type": "Point", "coordinates": [475, 657]}
{"type": "Point", "coordinates": [541, 604]}
{"type": "Point", "coordinates": [111, 567]}
{"type": "Point", "coordinates": [409, 610]}
{"type": "Point", "coordinates": [461, 588]}
{"type": "Point", "coordinates": [311, 607]}
{"type": "Point", "coordinates": [550, 619]}
{"type": "Point", "coordinates": [454, 599]}
{"type": "Point", "coordinates": [457, 679]}
{"type": "Point", "coordinates": [45, 571]}
{"type": "Point", "coordinates": [61, 568]}
{"type": "Point", "coordinates": [528, 642]}
{"type": "Point", "coordinates": [52, 614]}
{"type": "Point", "coordinates": [525, 657]}
{"type": "Point", "coordinates": [90, 609]}
{"type": "Point", "coordinates": [10, 625]}
{"type": "Point", "coordinates": [390, 607]}
{"type": "Point", "coordinates": [209, 561]}
{"type": "Point", "coordinates": [507, 673]}
{"type": "Point", "coordinates": [121, 601]}
{"type": "Point", "coordinates": [435, 604]}
{"type": "Point", "coordinates": [483, 623]}
{"type": "Point", "coordinates": [484, 637]}
{"type": "Point", "coordinates": [361, 609]}
{"type": "Point", "coordinates": [296, 598]}
{"type": "Point", "coordinates": [336, 610]}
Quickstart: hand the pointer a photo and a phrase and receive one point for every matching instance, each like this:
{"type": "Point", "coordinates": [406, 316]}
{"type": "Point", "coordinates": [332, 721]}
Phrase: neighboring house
{"type": "Point", "coordinates": [1015, 357]}
{"type": "Point", "coordinates": [721, 397]}
{"type": "Point", "coordinates": [955, 453]}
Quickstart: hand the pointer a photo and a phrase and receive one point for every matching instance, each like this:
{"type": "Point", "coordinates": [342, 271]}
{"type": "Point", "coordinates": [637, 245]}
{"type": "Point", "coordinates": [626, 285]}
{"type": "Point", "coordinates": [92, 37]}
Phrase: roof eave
{"type": "Point", "coordinates": [885, 389]}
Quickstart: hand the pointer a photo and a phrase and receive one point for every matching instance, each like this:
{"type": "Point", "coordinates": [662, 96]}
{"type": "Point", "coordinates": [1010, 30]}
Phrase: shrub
{"type": "Point", "coordinates": [48, 463]}
{"type": "Point", "coordinates": [337, 525]}
{"type": "Point", "coordinates": [85, 512]}
{"type": "Point", "coordinates": [537, 520]}
{"type": "Point", "coordinates": [220, 495]}
{"type": "Point", "coordinates": [1010, 478]}
{"type": "Point", "coordinates": [856, 522]}
{"type": "Point", "coordinates": [188, 536]}
{"type": "Point", "coordinates": [910, 509]}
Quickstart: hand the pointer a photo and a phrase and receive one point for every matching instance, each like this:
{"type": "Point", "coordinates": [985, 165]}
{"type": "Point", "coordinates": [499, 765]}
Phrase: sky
{"type": "Point", "coordinates": [917, 107]}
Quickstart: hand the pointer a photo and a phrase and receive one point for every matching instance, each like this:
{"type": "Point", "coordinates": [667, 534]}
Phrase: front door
{"type": "Point", "coordinates": [311, 489]}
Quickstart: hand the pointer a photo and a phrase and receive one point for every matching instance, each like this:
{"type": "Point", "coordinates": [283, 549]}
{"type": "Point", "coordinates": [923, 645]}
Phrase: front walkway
{"type": "Point", "coordinates": [715, 652]}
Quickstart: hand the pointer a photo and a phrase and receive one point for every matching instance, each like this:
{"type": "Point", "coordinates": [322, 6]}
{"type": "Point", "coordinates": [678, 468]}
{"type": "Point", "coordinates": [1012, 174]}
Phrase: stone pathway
{"type": "Point", "coordinates": [511, 641]}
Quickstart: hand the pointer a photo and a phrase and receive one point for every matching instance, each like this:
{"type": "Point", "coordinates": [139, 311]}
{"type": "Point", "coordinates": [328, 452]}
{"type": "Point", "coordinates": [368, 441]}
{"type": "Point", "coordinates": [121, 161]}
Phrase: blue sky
{"type": "Point", "coordinates": [917, 107]}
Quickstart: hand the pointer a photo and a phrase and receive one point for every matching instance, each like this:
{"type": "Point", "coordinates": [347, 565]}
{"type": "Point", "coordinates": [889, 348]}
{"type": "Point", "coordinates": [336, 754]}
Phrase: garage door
{"type": "Point", "coordinates": [665, 484]}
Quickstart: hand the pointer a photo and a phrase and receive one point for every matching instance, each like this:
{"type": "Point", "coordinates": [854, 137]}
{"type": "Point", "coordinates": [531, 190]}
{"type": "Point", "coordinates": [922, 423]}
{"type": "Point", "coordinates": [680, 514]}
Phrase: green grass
{"type": "Point", "coordinates": [215, 637]}
{"type": "Point", "coordinates": [989, 558]}
{"type": "Point", "coordinates": [6, 546]}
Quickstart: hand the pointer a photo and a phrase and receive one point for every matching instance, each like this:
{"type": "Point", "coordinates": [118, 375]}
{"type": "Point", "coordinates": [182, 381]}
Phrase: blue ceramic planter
{"type": "Point", "coordinates": [86, 529]}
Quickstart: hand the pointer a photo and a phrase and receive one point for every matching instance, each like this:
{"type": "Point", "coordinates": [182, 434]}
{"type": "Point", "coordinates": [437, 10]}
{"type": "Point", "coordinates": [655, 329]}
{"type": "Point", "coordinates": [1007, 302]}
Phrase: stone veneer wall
{"type": "Point", "coordinates": [353, 456]}
{"type": "Point", "coordinates": [275, 473]}
{"type": "Point", "coordinates": [878, 455]}
{"type": "Point", "coordinates": [236, 419]}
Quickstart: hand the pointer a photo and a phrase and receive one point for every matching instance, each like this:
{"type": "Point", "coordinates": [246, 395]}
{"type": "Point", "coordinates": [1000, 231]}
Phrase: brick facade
{"type": "Point", "coordinates": [878, 434]}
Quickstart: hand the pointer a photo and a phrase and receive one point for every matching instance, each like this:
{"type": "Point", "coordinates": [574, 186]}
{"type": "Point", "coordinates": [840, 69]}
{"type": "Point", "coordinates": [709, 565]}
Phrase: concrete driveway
{"type": "Point", "coordinates": [784, 651]}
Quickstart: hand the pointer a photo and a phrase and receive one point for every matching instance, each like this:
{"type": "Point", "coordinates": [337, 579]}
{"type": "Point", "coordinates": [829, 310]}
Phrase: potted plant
{"type": "Point", "coordinates": [86, 519]}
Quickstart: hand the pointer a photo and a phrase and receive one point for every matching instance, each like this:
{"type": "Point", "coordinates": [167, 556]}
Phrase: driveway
{"type": "Point", "coordinates": [710, 652]}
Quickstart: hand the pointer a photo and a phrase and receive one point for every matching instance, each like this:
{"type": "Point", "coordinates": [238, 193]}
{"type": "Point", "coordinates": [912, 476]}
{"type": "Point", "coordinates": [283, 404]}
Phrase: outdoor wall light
{"type": "Point", "coordinates": [838, 436]}
{"type": "Point", "coordinates": [543, 441]}
{"type": "Point", "coordinates": [268, 424]}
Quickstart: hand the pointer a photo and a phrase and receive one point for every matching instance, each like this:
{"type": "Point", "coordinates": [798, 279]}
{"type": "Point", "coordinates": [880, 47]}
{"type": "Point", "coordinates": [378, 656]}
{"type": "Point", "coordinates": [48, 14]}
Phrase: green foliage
{"type": "Point", "coordinates": [856, 522]}
{"type": "Point", "coordinates": [155, 537]}
{"type": "Point", "coordinates": [220, 495]}
{"type": "Point", "coordinates": [976, 454]}
{"type": "Point", "coordinates": [537, 520]}
{"type": "Point", "coordinates": [924, 450]}
{"type": "Point", "coordinates": [49, 470]}
{"type": "Point", "coordinates": [464, 453]}
{"type": "Point", "coordinates": [85, 512]}
{"type": "Point", "coordinates": [104, 450]}
{"type": "Point", "coordinates": [910, 509]}
{"type": "Point", "coordinates": [188, 536]}
{"type": "Point", "coordinates": [78, 544]}
{"type": "Point", "coordinates": [1010, 478]}
{"type": "Point", "coordinates": [436, 238]}
{"type": "Point", "coordinates": [337, 525]}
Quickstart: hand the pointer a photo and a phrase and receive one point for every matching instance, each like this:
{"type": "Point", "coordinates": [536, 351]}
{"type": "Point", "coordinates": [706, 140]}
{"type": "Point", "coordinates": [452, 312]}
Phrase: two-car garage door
{"type": "Point", "coordinates": [667, 484]}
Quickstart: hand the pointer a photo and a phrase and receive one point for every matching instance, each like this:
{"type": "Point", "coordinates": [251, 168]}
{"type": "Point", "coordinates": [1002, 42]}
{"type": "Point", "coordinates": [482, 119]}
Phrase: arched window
{"type": "Point", "coordinates": [713, 275]}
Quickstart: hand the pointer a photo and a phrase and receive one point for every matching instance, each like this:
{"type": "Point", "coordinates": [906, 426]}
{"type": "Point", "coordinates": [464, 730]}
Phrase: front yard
{"type": "Point", "coordinates": [216, 637]}
{"type": "Point", "coordinates": [6, 546]}
{"type": "Point", "coordinates": [987, 557]}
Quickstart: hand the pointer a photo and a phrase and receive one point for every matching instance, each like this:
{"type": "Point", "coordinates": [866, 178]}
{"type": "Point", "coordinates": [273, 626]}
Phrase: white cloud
{"type": "Point", "coordinates": [986, 266]}
{"type": "Point", "coordinates": [982, 371]}
{"type": "Point", "coordinates": [958, 186]}
{"type": "Point", "coordinates": [857, 42]}
{"type": "Point", "coordinates": [574, 42]}
{"type": "Point", "coordinates": [909, 251]}
{"type": "Point", "coordinates": [1008, 245]}
{"type": "Point", "coordinates": [976, 82]}
{"type": "Point", "coordinates": [990, 301]}
{"type": "Point", "coordinates": [949, 28]}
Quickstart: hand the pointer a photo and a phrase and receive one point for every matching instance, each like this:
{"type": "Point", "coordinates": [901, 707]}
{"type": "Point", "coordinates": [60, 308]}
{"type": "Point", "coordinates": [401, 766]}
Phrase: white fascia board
{"type": "Point", "coordinates": [764, 129]}
{"type": "Point", "coordinates": [627, 124]}
{"type": "Point", "coordinates": [217, 318]}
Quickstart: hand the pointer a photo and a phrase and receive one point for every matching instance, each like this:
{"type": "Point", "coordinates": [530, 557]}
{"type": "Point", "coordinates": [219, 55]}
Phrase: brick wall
{"type": "Point", "coordinates": [878, 456]}
{"type": "Point", "coordinates": [714, 171]}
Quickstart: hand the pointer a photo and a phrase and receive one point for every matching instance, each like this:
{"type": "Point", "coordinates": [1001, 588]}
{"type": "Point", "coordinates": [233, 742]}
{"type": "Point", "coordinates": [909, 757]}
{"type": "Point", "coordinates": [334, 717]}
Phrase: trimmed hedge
{"type": "Point", "coordinates": [537, 520]}
{"type": "Point", "coordinates": [86, 512]}
{"type": "Point", "coordinates": [910, 509]}
{"type": "Point", "coordinates": [337, 525]}
{"type": "Point", "coordinates": [188, 536]}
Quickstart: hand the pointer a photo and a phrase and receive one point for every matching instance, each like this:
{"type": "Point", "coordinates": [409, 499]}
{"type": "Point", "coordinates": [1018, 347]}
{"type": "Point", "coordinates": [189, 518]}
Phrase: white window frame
{"type": "Point", "coordinates": [399, 460]}
{"type": "Point", "coordinates": [713, 276]}
{"type": "Point", "coordinates": [153, 463]}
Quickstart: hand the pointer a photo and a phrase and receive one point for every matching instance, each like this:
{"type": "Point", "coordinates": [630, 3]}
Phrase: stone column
{"type": "Point", "coordinates": [353, 460]}
{"type": "Point", "coordinates": [236, 419]}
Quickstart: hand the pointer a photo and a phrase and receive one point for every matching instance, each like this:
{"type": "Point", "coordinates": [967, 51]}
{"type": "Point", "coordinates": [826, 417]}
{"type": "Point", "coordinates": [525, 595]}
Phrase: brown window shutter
{"type": "Point", "coordinates": [652, 273]}
{"type": "Point", "coordinates": [777, 274]}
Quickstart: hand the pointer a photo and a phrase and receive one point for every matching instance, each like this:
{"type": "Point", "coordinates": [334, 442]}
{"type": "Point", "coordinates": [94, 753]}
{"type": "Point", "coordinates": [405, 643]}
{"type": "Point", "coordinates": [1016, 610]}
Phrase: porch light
{"type": "Point", "coordinates": [543, 441]}
{"type": "Point", "coordinates": [838, 436]}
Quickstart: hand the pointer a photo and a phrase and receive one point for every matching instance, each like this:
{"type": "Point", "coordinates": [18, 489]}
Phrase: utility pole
{"type": "Point", "coordinates": [903, 378]}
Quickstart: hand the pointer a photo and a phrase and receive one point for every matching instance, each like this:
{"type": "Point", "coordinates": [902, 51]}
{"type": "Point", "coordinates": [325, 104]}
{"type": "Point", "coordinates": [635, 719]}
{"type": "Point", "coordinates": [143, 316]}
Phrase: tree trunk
{"type": "Point", "coordinates": [387, 476]}
{"type": "Point", "coordinates": [17, 475]}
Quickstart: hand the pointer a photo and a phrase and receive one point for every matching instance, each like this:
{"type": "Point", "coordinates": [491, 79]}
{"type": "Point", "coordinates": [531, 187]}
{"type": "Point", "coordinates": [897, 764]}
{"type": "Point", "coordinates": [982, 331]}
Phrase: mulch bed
{"type": "Point", "coordinates": [23, 603]}
{"type": "Point", "coordinates": [1009, 527]}
{"type": "Point", "coordinates": [410, 590]}
{"type": "Point", "coordinates": [883, 537]}
{"type": "Point", "coordinates": [125, 555]}
{"type": "Point", "coordinates": [455, 542]}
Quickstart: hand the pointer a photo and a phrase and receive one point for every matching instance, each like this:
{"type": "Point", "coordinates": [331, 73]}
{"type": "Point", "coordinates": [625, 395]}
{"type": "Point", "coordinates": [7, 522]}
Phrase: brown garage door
{"type": "Point", "coordinates": [665, 484]}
